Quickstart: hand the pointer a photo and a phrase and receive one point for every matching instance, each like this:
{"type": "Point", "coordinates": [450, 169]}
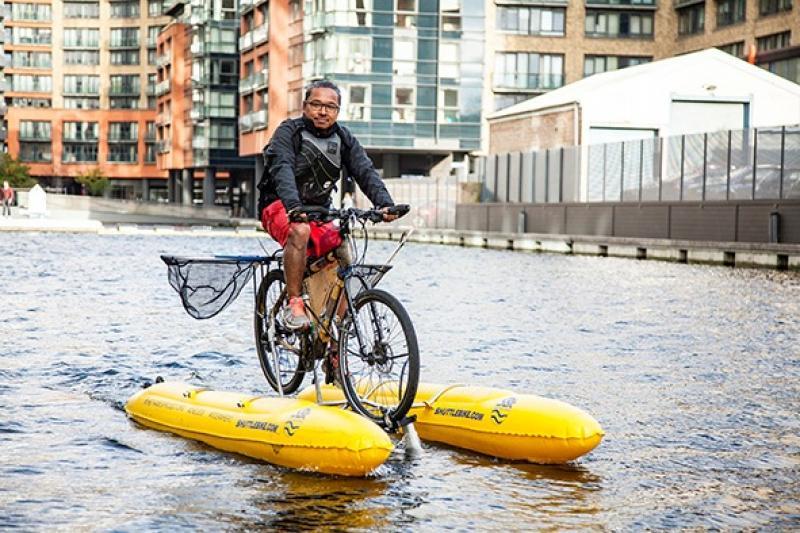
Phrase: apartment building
{"type": "Point", "coordinates": [3, 106]}
{"type": "Point", "coordinates": [539, 45]}
{"type": "Point", "coordinates": [79, 82]}
{"type": "Point", "coordinates": [197, 87]}
{"type": "Point", "coordinates": [411, 74]}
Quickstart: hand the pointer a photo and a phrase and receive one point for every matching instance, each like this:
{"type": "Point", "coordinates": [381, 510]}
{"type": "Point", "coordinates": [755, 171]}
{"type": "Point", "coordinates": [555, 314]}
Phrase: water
{"type": "Point", "coordinates": [692, 371]}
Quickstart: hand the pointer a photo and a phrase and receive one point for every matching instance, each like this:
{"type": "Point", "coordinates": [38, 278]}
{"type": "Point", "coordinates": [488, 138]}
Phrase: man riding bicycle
{"type": "Point", "coordinates": [303, 161]}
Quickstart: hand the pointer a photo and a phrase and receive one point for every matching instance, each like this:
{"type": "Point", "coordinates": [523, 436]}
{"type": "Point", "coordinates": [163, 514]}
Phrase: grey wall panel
{"type": "Point", "coordinates": [502, 178]}
{"type": "Point", "coordinates": [472, 217]}
{"type": "Point", "coordinates": [590, 220]}
{"type": "Point", "coordinates": [644, 220]}
{"type": "Point", "coordinates": [503, 218]}
{"type": "Point", "coordinates": [514, 163]}
{"type": "Point", "coordinates": [527, 178]}
{"type": "Point", "coordinates": [540, 172]}
{"type": "Point", "coordinates": [491, 179]}
{"type": "Point", "coordinates": [571, 181]}
{"type": "Point", "coordinates": [554, 175]}
{"type": "Point", "coordinates": [753, 223]}
{"type": "Point", "coordinates": [545, 219]}
{"type": "Point", "coordinates": [699, 222]}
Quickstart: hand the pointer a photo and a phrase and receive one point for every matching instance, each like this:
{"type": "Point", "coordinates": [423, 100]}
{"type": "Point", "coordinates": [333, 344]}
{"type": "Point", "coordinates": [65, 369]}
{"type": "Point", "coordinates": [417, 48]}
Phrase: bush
{"type": "Point", "coordinates": [94, 181]}
{"type": "Point", "coordinates": [16, 173]}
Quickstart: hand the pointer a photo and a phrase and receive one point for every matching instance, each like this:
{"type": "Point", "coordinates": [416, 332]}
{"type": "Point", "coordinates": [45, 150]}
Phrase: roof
{"type": "Point", "coordinates": [607, 81]}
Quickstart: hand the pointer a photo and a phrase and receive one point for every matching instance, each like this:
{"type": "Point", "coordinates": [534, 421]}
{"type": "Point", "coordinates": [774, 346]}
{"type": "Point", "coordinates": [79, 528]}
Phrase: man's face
{"type": "Point", "coordinates": [322, 107]}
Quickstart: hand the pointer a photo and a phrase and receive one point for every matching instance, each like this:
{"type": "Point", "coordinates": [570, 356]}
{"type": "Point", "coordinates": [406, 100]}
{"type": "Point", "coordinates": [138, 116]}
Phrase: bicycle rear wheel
{"type": "Point", "coordinates": [379, 358]}
{"type": "Point", "coordinates": [287, 345]}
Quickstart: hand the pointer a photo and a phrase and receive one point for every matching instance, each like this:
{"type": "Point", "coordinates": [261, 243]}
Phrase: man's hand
{"type": "Point", "coordinates": [297, 215]}
{"type": "Point", "coordinates": [387, 217]}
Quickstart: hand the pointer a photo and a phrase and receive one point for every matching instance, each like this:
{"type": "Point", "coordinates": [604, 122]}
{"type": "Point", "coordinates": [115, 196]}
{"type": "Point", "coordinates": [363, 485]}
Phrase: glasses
{"type": "Point", "coordinates": [317, 106]}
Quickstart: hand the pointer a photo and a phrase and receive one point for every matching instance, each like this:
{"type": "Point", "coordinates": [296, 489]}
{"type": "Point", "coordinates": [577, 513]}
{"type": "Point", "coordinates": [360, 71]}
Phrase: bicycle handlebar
{"type": "Point", "coordinates": [323, 214]}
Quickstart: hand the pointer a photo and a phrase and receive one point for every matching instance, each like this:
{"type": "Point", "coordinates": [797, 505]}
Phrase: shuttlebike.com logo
{"type": "Point", "coordinates": [502, 409]}
{"type": "Point", "coordinates": [295, 421]}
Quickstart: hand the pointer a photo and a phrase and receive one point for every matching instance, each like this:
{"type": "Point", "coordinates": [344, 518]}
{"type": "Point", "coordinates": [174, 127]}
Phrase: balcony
{"type": "Point", "coordinates": [125, 44]}
{"type": "Point", "coordinates": [3, 109]}
{"type": "Point", "coordinates": [259, 119]}
{"type": "Point", "coordinates": [124, 90]}
{"type": "Point", "coordinates": [246, 41]}
{"type": "Point", "coordinates": [35, 136]}
{"type": "Point", "coordinates": [81, 45]}
{"type": "Point", "coordinates": [246, 122]}
{"type": "Point", "coordinates": [254, 81]}
{"type": "Point", "coordinates": [163, 118]}
{"type": "Point", "coordinates": [623, 4]}
{"type": "Point", "coordinates": [87, 137]}
{"type": "Point", "coordinates": [162, 87]}
{"type": "Point", "coordinates": [260, 34]}
{"type": "Point", "coordinates": [117, 138]}
{"type": "Point", "coordinates": [316, 23]}
{"type": "Point", "coordinates": [245, 6]}
{"type": "Point", "coordinates": [164, 146]}
{"type": "Point", "coordinates": [163, 59]}
{"type": "Point", "coordinates": [527, 82]}
{"type": "Point", "coordinates": [200, 143]}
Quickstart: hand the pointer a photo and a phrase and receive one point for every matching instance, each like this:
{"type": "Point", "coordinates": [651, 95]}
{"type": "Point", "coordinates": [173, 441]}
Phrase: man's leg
{"type": "Point", "coordinates": [294, 258]}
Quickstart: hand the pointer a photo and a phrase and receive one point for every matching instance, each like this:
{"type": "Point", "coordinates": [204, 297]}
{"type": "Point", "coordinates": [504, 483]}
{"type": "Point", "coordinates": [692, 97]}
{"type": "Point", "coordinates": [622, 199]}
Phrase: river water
{"type": "Point", "coordinates": [693, 371]}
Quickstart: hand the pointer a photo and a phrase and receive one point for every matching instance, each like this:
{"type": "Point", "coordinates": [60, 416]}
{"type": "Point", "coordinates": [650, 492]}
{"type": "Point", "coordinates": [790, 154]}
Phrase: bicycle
{"type": "Point", "coordinates": [362, 336]}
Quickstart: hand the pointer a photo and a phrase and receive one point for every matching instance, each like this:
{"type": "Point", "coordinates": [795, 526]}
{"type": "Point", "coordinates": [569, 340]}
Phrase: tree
{"type": "Point", "coordinates": [94, 180]}
{"type": "Point", "coordinates": [16, 173]}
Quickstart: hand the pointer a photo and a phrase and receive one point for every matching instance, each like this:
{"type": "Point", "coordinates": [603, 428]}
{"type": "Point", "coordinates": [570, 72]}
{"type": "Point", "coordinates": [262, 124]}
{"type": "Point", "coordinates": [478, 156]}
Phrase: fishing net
{"type": "Point", "coordinates": [207, 285]}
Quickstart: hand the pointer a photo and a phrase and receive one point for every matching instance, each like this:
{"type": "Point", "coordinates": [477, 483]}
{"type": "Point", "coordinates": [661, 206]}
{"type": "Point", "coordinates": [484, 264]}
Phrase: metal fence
{"type": "Point", "coordinates": [432, 200]}
{"type": "Point", "coordinates": [757, 163]}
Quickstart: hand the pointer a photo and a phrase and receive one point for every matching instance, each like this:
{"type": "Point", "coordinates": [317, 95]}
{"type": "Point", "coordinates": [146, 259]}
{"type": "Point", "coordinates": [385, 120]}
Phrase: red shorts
{"type": "Point", "coordinates": [324, 237]}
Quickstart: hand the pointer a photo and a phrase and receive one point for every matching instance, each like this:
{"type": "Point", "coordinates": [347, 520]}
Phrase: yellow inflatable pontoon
{"type": "Point", "coordinates": [499, 423]}
{"type": "Point", "coordinates": [284, 431]}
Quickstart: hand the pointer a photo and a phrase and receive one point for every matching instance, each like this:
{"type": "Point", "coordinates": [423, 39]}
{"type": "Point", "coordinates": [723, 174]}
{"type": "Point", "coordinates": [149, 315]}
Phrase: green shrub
{"type": "Point", "coordinates": [94, 180]}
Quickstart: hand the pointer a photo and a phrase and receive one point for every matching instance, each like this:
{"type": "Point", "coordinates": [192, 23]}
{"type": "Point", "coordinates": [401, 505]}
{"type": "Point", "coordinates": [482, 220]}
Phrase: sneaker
{"type": "Point", "coordinates": [293, 315]}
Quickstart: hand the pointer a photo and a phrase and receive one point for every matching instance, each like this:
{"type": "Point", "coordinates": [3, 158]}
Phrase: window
{"type": "Point", "coordinates": [404, 104]}
{"type": "Point", "coordinates": [80, 131]}
{"type": "Point", "coordinates": [405, 57]}
{"type": "Point", "coordinates": [124, 84]}
{"type": "Point", "coordinates": [150, 152]}
{"type": "Point", "coordinates": [81, 57]}
{"type": "Point", "coordinates": [127, 102]}
{"type": "Point", "coordinates": [223, 71]}
{"type": "Point", "coordinates": [81, 10]}
{"type": "Point", "coordinates": [81, 103]}
{"type": "Point", "coordinates": [123, 131]}
{"type": "Point", "coordinates": [730, 12]}
{"type": "Point", "coordinates": [79, 153]}
{"type": "Point", "coordinates": [81, 84]}
{"type": "Point", "coordinates": [122, 153]}
{"type": "Point", "coordinates": [405, 13]}
{"type": "Point", "coordinates": [154, 8]}
{"type": "Point", "coordinates": [20, 59]}
{"type": "Point", "coordinates": [31, 83]}
{"type": "Point", "coordinates": [34, 130]}
{"type": "Point", "coordinates": [31, 102]}
{"type": "Point", "coordinates": [37, 12]}
{"type": "Point", "coordinates": [449, 105]}
{"type": "Point", "coordinates": [618, 24]}
{"type": "Point", "coordinates": [786, 68]}
{"type": "Point", "coordinates": [776, 41]}
{"type": "Point", "coordinates": [596, 64]}
{"type": "Point", "coordinates": [451, 15]}
{"type": "Point", "coordinates": [124, 10]}
{"type": "Point", "coordinates": [357, 105]}
{"type": "Point", "coordinates": [124, 57]}
{"type": "Point", "coordinates": [528, 71]}
{"type": "Point", "coordinates": [152, 35]}
{"type": "Point", "coordinates": [531, 20]}
{"type": "Point", "coordinates": [32, 36]}
{"type": "Point", "coordinates": [35, 152]}
{"type": "Point", "coordinates": [81, 38]}
{"type": "Point", "coordinates": [735, 49]}
{"type": "Point", "coordinates": [770, 7]}
{"type": "Point", "coordinates": [691, 19]}
{"type": "Point", "coordinates": [124, 38]}
{"type": "Point", "coordinates": [450, 60]}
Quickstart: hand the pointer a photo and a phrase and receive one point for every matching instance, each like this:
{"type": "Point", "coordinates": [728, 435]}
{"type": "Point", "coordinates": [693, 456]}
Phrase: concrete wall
{"type": "Point", "coordinates": [747, 221]}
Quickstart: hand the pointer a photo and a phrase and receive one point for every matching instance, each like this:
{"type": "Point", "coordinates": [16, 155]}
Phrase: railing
{"type": "Point", "coordinates": [162, 87]}
{"type": "Point", "coordinates": [514, 80]}
{"type": "Point", "coordinates": [246, 122]}
{"type": "Point", "coordinates": [750, 164]}
{"type": "Point", "coordinates": [433, 201]}
{"type": "Point", "coordinates": [260, 33]}
{"type": "Point", "coordinates": [246, 41]}
{"type": "Point", "coordinates": [260, 119]}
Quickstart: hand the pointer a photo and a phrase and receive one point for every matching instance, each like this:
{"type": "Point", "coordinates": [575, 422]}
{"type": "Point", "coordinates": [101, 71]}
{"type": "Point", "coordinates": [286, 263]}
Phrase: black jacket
{"type": "Point", "coordinates": [279, 179]}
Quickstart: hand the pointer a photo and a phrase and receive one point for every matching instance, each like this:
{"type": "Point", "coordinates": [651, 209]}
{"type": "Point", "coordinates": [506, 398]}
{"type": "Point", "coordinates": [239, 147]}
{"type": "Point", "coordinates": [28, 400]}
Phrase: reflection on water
{"type": "Point", "coordinates": [692, 371]}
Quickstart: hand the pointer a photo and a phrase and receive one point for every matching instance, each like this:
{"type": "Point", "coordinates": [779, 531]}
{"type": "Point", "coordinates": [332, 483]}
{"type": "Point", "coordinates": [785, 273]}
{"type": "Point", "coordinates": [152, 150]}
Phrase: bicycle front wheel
{"type": "Point", "coordinates": [379, 358]}
{"type": "Point", "coordinates": [284, 348]}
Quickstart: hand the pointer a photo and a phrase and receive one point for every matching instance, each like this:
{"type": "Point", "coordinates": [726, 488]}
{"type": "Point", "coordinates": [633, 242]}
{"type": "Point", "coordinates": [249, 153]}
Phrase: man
{"type": "Point", "coordinates": [303, 161]}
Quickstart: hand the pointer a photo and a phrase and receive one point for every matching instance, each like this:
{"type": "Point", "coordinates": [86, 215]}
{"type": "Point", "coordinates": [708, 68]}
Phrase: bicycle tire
{"type": "Point", "coordinates": [271, 288]}
{"type": "Point", "coordinates": [387, 400]}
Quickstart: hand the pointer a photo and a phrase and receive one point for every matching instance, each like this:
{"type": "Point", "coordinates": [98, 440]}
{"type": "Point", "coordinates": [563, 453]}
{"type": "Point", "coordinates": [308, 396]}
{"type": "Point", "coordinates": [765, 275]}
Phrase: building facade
{"type": "Point", "coordinates": [79, 82]}
{"type": "Point", "coordinates": [540, 45]}
{"type": "Point", "coordinates": [197, 87]}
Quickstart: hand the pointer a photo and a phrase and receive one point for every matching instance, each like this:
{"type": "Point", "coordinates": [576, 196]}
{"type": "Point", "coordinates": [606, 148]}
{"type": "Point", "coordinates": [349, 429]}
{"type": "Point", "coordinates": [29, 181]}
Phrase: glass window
{"type": "Point", "coordinates": [31, 83]}
{"type": "Point", "coordinates": [769, 7]}
{"type": "Point", "coordinates": [35, 12]}
{"type": "Point", "coordinates": [404, 104]}
{"type": "Point", "coordinates": [79, 153]}
{"type": "Point", "coordinates": [81, 84]}
{"type": "Point", "coordinates": [123, 10]}
{"type": "Point", "coordinates": [124, 38]}
{"type": "Point", "coordinates": [154, 8]}
{"type": "Point", "coordinates": [124, 57]}
{"type": "Point", "coordinates": [22, 59]}
{"type": "Point", "coordinates": [81, 57]}
{"type": "Point", "coordinates": [730, 12]}
{"type": "Point", "coordinates": [618, 24]}
{"type": "Point", "coordinates": [34, 130]}
{"type": "Point", "coordinates": [593, 64]}
{"type": "Point", "coordinates": [735, 49]}
{"type": "Point", "coordinates": [35, 152]}
{"type": "Point", "coordinates": [776, 41]}
{"type": "Point", "coordinates": [82, 37]}
{"type": "Point", "coordinates": [81, 10]}
{"type": "Point", "coordinates": [81, 103]}
{"type": "Point", "coordinates": [691, 19]}
{"type": "Point", "coordinates": [522, 70]}
{"type": "Point", "coordinates": [357, 106]}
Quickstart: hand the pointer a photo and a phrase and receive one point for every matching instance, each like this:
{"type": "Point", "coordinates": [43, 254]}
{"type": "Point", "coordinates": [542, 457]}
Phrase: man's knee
{"type": "Point", "coordinates": [299, 234]}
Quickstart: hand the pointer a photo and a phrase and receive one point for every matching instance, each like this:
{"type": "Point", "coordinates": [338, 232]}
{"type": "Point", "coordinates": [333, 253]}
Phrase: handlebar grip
{"type": "Point", "coordinates": [399, 209]}
{"type": "Point", "coordinates": [311, 212]}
